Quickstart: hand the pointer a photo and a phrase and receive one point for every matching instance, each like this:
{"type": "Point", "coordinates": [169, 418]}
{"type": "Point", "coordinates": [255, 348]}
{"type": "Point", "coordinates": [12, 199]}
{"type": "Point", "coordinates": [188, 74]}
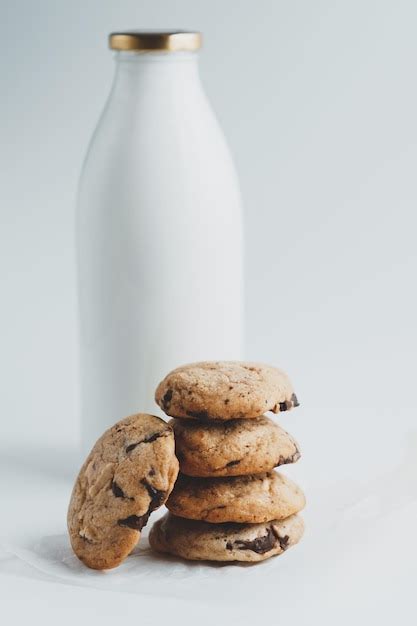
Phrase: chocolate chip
{"type": "Point", "coordinates": [295, 400]}
{"type": "Point", "coordinates": [136, 522]}
{"type": "Point", "coordinates": [149, 439]}
{"type": "Point", "coordinates": [283, 541]}
{"type": "Point", "coordinates": [296, 455]}
{"type": "Point", "coordinates": [232, 463]}
{"type": "Point", "coordinates": [283, 406]}
{"type": "Point", "coordinates": [152, 472]}
{"type": "Point", "coordinates": [117, 491]}
{"type": "Point", "coordinates": [200, 415]}
{"type": "Point", "coordinates": [153, 437]}
{"type": "Point", "coordinates": [157, 495]}
{"type": "Point", "coordinates": [283, 460]}
{"type": "Point", "coordinates": [260, 545]}
{"type": "Point", "coordinates": [227, 401]}
{"type": "Point", "coordinates": [166, 400]}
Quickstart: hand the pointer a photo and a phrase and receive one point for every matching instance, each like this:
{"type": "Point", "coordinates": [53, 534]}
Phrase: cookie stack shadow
{"type": "Point", "coordinates": [229, 503]}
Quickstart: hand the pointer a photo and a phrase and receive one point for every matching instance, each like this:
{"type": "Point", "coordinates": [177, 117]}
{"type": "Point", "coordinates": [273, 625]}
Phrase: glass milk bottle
{"type": "Point", "coordinates": [159, 232]}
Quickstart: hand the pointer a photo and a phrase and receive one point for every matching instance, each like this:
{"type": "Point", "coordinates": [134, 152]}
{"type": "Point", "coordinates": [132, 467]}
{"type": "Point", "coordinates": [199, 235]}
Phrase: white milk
{"type": "Point", "coordinates": [159, 231]}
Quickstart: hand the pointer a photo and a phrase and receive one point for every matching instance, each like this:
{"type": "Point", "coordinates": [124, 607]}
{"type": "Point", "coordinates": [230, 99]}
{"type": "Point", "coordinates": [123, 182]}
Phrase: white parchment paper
{"type": "Point", "coordinates": [357, 560]}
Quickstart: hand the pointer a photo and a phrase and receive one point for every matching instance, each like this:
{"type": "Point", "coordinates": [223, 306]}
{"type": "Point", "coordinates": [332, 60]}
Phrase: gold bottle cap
{"type": "Point", "coordinates": [147, 41]}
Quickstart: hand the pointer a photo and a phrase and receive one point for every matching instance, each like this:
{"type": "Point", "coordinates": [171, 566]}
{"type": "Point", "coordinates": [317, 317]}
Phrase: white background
{"type": "Point", "coordinates": [318, 101]}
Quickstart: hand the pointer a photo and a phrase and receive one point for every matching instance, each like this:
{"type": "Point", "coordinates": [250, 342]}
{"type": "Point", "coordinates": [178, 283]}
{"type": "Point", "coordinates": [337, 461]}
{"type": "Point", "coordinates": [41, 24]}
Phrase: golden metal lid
{"type": "Point", "coordinates": [147, 41]}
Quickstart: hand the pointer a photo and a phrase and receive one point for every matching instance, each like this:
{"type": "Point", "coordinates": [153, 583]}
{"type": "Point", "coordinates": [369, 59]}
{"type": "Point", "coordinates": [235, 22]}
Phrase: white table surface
{"type": "Point", "coordinates": [357, 561]}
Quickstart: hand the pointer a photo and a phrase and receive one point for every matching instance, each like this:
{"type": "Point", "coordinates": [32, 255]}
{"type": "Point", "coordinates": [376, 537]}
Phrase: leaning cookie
{"type": "Point", "coordinates": [129, 473]}
{"type": "Point", "coordinates": [233, 448]}
{"type": "Point", "coordinates": [245, 499]}
{"type": "Point", "coordinates": [198, 541]}
{"type": "Point", "coordinates": [225, 390]}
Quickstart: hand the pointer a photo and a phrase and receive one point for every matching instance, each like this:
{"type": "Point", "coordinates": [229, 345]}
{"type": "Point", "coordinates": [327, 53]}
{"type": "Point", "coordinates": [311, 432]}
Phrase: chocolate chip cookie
{"type": "Point", "coordinates": [129, 473]}
{"type": "Point", "coordinates": [225, 390]}
{"type": "Point", "coordinates": [233, 448]}
{"type": "Point", "coordinates": [247, 499]}
{"type": "Point", "coordinates": [225, 542]}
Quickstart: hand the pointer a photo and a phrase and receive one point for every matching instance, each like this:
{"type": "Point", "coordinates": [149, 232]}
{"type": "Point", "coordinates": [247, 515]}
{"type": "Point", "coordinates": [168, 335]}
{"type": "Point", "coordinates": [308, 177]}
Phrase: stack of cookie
{"type": "Point", "coordinates": [229, 504]}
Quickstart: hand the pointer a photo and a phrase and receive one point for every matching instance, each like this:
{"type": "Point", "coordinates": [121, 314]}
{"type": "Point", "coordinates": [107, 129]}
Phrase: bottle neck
{"type": "Point", "coordinates": [163, 70]}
